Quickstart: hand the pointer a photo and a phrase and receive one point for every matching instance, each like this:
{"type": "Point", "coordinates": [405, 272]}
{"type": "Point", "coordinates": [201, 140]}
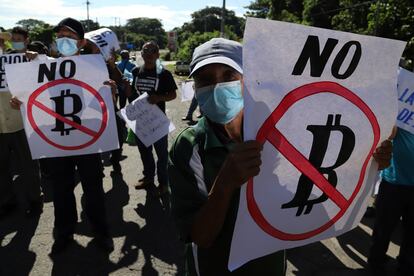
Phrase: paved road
{"type": "Point", "coordinates": [145, 238]}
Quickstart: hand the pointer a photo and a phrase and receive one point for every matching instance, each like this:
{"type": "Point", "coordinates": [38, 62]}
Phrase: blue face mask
{"type": "Point", "coordinates": [18, 45]}
{"type": "Point", "coordinates": [221, 102]}
{"type": "Point", "coordinates": [67, 46]}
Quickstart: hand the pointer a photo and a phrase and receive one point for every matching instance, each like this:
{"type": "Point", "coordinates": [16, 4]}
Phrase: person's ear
{"type": "Point", "coordinates": [81, 43]}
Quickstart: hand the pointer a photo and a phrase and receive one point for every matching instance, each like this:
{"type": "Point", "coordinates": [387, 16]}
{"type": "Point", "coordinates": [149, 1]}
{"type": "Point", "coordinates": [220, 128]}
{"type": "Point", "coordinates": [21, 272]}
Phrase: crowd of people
{"type": "Point", "coordinates": [206, 166]}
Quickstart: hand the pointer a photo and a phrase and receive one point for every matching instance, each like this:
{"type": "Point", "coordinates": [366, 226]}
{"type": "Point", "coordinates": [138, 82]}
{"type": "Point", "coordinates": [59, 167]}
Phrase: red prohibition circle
{"type": "Point", "coordinates": [270, 125]}
{"type": "Point", "coordinates": [32, 101]}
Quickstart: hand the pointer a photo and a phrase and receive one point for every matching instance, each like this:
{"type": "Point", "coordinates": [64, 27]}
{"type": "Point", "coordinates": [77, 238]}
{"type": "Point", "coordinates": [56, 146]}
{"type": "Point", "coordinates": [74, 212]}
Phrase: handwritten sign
{"type": "Point", "coordinates": [66, 109]}
{"type": "Point", "coordinates": [146, 120]}
{"type": "Point", "coordinates": [320, 101]}
{"type": "Point", "coordinates": [405, 117]}
{"type": "Point", "coordinates": [187, 91]}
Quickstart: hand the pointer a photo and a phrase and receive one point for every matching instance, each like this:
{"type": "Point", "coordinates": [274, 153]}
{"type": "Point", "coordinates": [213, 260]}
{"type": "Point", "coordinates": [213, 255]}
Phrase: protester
{"type": "Point", "coordinates": [205, 179]}
{"type": "Point", "coordinates": [4, 36]}
{"type": "Point", "coordinates": [160, 86]}
{"type": "Point", "coordinates": [19, 39]}
{"type": "Point", "coordinates": [14, 145]}
{"type": "Point", "coordinates": [93, 47]}
{"type": "Point", "coordinates": [209, 162]}
{"type": "Point", "coordinates": [126, 67]}
{"type": "Point", "coordinates": [395, 200]}
{"type": "Point", "coordinates": [69, 41]}
{"type": "Point", "coordinates": [38, 47]}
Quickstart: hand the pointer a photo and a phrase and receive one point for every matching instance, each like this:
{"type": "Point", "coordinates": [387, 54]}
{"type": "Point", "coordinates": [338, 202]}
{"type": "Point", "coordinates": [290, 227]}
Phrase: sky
{"type": "Point", "coordinates": [173, 13]}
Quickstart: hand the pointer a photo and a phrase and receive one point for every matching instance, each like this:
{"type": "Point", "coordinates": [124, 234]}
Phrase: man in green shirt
{"type": "Point", "coordinates": [210, 162]}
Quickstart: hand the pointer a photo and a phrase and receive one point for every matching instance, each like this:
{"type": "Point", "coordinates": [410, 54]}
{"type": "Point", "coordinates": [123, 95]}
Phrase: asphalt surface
{"type": "Point", "coordinates": [145, 237]}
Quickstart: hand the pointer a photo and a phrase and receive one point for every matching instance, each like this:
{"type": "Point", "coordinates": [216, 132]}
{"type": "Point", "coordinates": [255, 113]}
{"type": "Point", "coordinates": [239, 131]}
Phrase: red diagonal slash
{"type": "Point", "coordinates": [269, 132]}
{"type": "Point", "coordinates": [49, 111]}
{"type": "Point", "coordinates": [88, 89]}
{"type": "Point", "coordinates": [279, 141]}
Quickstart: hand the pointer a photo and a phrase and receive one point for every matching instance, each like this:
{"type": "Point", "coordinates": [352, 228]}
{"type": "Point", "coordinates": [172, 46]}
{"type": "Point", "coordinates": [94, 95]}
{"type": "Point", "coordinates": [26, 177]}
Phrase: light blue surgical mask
{"type": "Point", "coordinates": [67, 46]}
{"type": "Point", "coordinates": [221, 102]}
{"type": "Point", "coordinates": [18, 45]}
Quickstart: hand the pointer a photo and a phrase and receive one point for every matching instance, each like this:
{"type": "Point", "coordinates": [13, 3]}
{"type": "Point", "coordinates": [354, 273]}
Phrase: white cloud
{"type": "Point", "coordinates": [52, 11]}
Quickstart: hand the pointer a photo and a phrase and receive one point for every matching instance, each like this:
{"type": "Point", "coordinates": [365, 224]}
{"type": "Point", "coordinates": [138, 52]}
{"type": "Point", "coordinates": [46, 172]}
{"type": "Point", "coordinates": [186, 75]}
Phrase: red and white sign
{"type": "Point", "coordinates": [320, 101]}
{"type": "Point", "coordinates": [66, 108]}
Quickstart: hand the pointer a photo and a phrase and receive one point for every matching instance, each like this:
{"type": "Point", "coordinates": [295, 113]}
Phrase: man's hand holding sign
{"type": "Point", "coordinates": [321, 104]}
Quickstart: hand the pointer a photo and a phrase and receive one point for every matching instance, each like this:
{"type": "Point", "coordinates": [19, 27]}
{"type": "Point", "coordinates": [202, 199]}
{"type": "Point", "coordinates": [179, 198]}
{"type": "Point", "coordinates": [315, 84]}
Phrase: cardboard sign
{"type": "Point", "coordinates": [146, 120]}
{"type": "Point", "coordinates": [405, 117]}
{"type": "Point", "coordinates": [320, 101]}
{"type": "Point", "coordinates": [66, 108]}
{"type": "Point", "coordinates": [105, 39]}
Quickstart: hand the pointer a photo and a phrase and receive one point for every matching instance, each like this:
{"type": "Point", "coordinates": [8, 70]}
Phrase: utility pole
{"type": "Point", "coordinates": [223, 10]}
{"type": "Point", "coordinates": [87, 14]}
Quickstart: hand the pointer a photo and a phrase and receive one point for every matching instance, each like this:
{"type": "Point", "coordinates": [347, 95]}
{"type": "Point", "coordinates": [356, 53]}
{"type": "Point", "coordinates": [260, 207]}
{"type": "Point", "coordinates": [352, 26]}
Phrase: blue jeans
{"type": "Point", "coordinates": [161, 149]}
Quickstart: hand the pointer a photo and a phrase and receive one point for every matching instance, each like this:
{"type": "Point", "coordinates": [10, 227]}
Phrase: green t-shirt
{"type": "Point", "coordinates": [195, 160]}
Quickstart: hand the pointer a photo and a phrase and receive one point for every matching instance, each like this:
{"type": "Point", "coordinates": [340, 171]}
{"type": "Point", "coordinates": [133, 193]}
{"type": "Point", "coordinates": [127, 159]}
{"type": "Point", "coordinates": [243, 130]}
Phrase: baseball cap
{"type": "Point", "coordinates": [73, 25]}
{"type": "Point", "coordinates": [218, 50]}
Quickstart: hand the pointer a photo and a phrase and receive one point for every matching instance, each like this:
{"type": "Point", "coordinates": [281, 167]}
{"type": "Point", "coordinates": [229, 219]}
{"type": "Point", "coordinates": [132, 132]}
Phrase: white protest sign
{"type": "Point", "coordinates": [105, 39]}
{"type": "Point", "coordinates": [66, 108]}
{"type": "Point", "coordinates": [9, 59]}
{"type": "Point", "coordinates": [187, 91]}
{"type": "Point", "coordinates": [146, 120]}
{"type": "Point", "coordinates": [405, 117]}
{"type": "Point", "coordinates": [320, 101]}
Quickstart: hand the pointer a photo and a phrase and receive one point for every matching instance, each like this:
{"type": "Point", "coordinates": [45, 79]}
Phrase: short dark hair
{"type": "Point", "coordinates": [21, 31]}
{"type": "Point", "coordinates": [153, 43]}
{"type": "Point", "coordinates": [39, 47]}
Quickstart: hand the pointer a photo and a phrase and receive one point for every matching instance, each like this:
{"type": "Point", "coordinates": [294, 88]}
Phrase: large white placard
{"type": "Point", "coordinates": [9, 59]}
{"type": "Point", "coordinates": [66, 108]}
{"type": "Point", "coordinates": [405, 117]}
{"type": "Point", "coordinates": [146, 120]}
{"type": "Point", "coordinates": [320, 101]}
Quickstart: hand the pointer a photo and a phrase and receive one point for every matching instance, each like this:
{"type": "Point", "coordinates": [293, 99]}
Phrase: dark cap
{"type": "Point", "coordinates": [218, 50]}
{"type": "Point", "coordinates": [73, 25]}
{"type": "Point", "coordinates": [39, 47]}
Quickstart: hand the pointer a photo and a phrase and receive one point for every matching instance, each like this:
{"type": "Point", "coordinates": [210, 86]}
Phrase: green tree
{"type": "Point", "coordinates": [186, 50]}
{"type": "Point", "coordinates": [30, 24]}
{"type": "Point", "coordinates": [149, 27]}
{"type": "Point", "coordinates": [319, 13]}
{"type": "Point", "coordinates": [89, 25]}
{"type": "Point", "coordinates": [38, 30]}
{"type": "Point", "coordinates": [352, 16]}
{"type": "Point", "coordinates": [258, 8]}
{"type": "Point", "coordinates": [283, 10]}
{"type": "Point", "coordinates": [394, 19]}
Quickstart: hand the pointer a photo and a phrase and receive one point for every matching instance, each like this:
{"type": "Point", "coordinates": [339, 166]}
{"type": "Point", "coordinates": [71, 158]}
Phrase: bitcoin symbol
{"type": "Point", "coordinates": [60, 109]}
{"type": "Point", "coordinates": [321, 135]}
